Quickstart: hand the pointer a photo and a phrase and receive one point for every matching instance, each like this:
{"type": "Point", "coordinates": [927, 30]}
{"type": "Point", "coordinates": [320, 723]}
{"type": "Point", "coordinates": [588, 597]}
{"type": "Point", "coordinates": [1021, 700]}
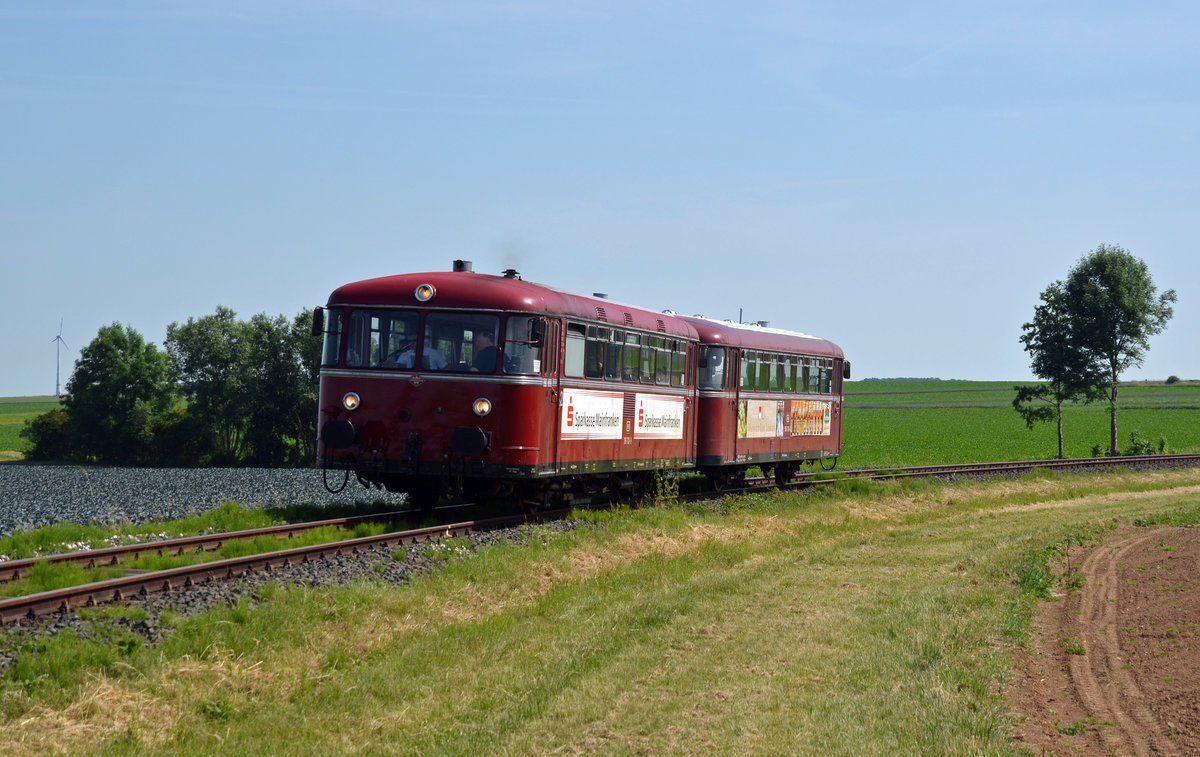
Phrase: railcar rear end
{"type": "Point", "coordinates": [768, 398]}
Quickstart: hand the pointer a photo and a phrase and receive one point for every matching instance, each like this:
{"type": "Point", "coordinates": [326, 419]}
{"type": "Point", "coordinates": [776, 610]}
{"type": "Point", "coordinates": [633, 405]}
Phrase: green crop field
{"type": "Point", "coordinates": [14, 411]}
{"type": "Point", "coordinates": [899, 423]}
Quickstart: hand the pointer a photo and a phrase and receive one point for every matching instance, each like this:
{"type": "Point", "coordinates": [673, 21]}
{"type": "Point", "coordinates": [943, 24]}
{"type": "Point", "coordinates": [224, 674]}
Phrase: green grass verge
{"type": "Point", "coordinates": [877, 621]}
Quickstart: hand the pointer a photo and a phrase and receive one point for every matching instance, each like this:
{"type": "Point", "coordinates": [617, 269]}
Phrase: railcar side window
{"type": "Point", "coordinates": [662, 362]}
{"type": "Point", "coordinates": [522, 354]}
{"type": "Point", "coordinates": [777, 367]}
{"type": "Point", "coordinates": [593, 355]}
{"type": "Point", "coordinates": [648, 353]}
{"type": "Point", "coordinates": [612, 355]}
{"type": "Point", "coordinates": [814, 376]}
{"type": "Point", "coordinates": [789, 375]}
{"type": "Point", "coordinates": [712, 367]}
{"type": "Point", "coordinates": [332, 346]}
{"type": "Point", "coordinates": [632, 359]}
{"type": "Point", "coordinates": [765, 369]}
{"type": "Point", "coordinates": [827, 377]}
{"type": "Point", "coordinates": [679, 364]}
{"type": "Point", "coordinates": [747, 370]}
{"type": "Point", "coordinates": [574, 358]}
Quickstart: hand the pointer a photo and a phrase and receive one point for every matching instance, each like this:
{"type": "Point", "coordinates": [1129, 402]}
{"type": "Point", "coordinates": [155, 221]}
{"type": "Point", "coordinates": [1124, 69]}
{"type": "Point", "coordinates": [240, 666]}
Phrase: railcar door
{"type": "Point", "coordinates": [551, 370]}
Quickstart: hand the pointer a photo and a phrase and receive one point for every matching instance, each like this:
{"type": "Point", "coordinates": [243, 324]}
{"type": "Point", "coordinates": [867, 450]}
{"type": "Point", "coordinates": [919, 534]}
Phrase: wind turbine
{"type": "Point", "coordinates": [57, 359]}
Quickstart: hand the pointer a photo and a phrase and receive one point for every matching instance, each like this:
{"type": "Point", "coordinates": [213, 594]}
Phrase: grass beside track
{"type": "Point", "coordinates": [862, 619]}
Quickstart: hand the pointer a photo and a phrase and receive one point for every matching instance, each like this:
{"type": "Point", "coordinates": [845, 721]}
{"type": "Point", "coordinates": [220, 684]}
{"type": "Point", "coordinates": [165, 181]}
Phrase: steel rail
{"type": "Point", "coordinates": [33, 606]}
{"type": "Point", "coordinates": [111, 556]}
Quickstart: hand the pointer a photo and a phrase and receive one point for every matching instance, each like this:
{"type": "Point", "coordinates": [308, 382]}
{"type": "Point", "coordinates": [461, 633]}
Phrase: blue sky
{"type": "Point", "coordinates": [903, 179]}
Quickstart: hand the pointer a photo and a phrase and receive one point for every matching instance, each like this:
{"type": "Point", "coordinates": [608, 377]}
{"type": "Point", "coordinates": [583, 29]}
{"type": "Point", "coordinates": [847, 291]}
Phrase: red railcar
{"type": "Point", "coordinates": [768, 398]}
{"type": "Point", "coordinates": [437, 383]}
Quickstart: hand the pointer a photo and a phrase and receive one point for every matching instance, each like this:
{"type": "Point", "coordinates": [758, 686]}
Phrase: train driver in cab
{"type": "Point", "coordinates": [485, 353]}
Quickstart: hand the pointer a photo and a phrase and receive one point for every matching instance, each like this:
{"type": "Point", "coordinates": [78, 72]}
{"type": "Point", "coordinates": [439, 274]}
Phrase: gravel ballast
{"type": "Point", "coordinates": [33, 496]}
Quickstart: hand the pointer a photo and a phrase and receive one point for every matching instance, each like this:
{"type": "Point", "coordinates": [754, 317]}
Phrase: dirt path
{"type": "Point", "coordinates": [1115, 664]}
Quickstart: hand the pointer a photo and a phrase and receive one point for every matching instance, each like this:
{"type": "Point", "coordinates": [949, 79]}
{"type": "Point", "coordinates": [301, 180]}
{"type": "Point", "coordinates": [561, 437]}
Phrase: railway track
{"type": "Point", "coordinates": [150, 583]}
{"type": "Point", "coordinates": [45, 603]}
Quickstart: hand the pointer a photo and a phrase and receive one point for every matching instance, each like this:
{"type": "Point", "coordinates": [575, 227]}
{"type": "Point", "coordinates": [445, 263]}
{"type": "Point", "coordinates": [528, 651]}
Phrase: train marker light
{"type": "Point", "coordinates": [424, 293]}
{"type": "Point", "coordinates": [482, 406]}
{"type": "Point", "coordinates": [351, 401]}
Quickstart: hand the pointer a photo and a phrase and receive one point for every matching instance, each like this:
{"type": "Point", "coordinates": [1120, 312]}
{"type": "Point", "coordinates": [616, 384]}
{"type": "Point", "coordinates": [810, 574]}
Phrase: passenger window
{"type": "Point", "coordinates": [612, 355]}
{"type": "Point", "coordinates": [648, 353]}
{"type": "Point", "coordinates": [679, 364]}
{"type": "Point", "coordinates": [765, 370]}
{"type": "Point", "coordinates": [632, 359]}
{"type": "Point", "coordinates": [662, 365]}
{"type": "Point", "coordinates": [574, 358]}
{"type": "Point", "coordinates": [747, 370]}
{"type": "Point", "coordinates": [593, 362]}
{"type": "Point", "coordinates": [789, 375]}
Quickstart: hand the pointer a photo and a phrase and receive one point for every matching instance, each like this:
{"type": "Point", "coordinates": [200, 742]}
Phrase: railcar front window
{"type": "Point", "coordinates": [462, 342]}
{"type": "Point", "coordinates": [332, 346]}
{"type": "Point", "coordinates": [522, 353]}
{"type": "Point", "coordinates": [382, 339]}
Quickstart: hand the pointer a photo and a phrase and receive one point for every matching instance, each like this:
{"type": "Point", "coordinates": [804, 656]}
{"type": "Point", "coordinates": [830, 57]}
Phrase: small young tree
{"type": "Point", "coordinates": [1055, 356]}
{"type": "Point", "coordinates": [1114, 309]}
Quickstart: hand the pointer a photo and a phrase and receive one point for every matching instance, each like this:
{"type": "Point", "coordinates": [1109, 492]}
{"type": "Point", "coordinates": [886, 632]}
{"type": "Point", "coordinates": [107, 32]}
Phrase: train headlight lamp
{"type": "Point", "coordinates": [425, 293]}
{"type": "Point", "coordinates": [351, 401]}
{"type": "Point", "coordinates": [482, 406]}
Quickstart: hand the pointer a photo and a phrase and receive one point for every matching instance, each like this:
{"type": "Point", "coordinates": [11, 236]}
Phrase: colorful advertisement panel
{"type": "Point", "coordinates": [591, 415]}
{"type": "Point", "coordinates": [760, 419]}
{"type": "Point", "coordinates": [810, 417]}
{"type": "Point", "coordinates": [658, 417]}
{"type": "Point", "coordinates": [763, 419]}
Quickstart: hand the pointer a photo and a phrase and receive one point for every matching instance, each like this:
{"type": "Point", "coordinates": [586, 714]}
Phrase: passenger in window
{"type": "Point", "coordinates": [405, 357]}
{"type": "Point", "coordinates": [485, 353]}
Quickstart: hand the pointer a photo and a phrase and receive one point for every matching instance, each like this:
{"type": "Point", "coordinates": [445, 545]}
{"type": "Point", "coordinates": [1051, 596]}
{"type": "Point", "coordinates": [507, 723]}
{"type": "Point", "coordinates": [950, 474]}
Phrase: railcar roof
{"type": "Point", "coordinates": [470, 290]}
{"type": "Point", "coordinates": [755, 337]}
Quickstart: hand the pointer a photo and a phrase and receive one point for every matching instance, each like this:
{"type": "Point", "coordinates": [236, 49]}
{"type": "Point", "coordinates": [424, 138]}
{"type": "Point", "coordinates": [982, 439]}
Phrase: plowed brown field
{"type": "Point", "coordinates": [1114, 667]}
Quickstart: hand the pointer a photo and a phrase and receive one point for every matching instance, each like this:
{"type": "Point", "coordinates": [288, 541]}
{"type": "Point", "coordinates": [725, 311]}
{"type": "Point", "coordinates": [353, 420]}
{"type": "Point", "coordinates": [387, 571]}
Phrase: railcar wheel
{"type": "Point", "coordinates": [832, 464]}
{"type": "Point", "coordinates": [784, 473]}
{"type": "Point", "coordinates": [424, 500]}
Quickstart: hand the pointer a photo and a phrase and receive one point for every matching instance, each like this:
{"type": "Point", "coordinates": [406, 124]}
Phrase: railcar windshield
{"type": "Point", "coordinates": [523, 345]}
{"type": "Point", "coordinates": [460, 342]}
{"type": "Point", "coordinates": [332, 346]}
{"type": "Point", "coordinates": [382, 339]}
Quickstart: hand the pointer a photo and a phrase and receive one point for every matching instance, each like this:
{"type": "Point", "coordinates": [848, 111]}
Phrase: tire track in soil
{"type": "Point", "coordinates": [1078, 690]}
{"type": "Point", "coordinates": [1103, 681]}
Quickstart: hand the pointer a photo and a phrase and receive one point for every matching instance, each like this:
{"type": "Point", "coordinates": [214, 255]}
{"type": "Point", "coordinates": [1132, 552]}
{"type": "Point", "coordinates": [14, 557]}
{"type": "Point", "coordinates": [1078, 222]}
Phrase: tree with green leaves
{"type": "Point", "coordinates": [1114, 309]}
{"type": "Point", "coordinates": [210, 353]}
{"type": "Point", "coordinates": [1055, 356]}
{"type": "Point", "coordinates": [120, 386]}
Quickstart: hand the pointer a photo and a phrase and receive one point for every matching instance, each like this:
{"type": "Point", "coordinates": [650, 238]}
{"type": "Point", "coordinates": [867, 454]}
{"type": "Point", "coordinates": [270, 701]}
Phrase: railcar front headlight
{"type": "Point", "coordinates": [351, 401]}
{"type": "Point", "coordinates": [424, 292]}
{"type": "Point", "coordinates": [482, 406]}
